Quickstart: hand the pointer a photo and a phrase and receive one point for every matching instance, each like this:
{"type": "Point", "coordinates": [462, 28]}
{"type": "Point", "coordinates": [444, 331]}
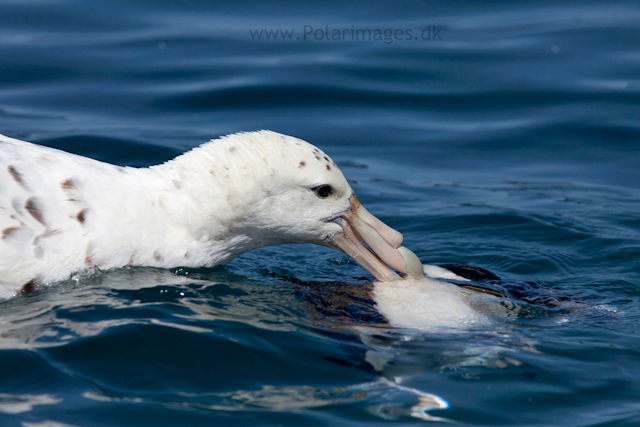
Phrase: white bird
{"type": "Point", "coordinates": [61, 213]}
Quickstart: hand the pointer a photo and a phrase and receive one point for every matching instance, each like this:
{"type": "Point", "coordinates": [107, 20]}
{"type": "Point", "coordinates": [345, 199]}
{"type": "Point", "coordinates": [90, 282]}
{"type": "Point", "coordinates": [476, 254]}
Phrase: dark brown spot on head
{"type": "Point", "coordinates": [187, 255]}
{"type": "Point", "coordinates": [32, 207]}
{"type": "Point", "coordinates": [317, 157]}
{"type": "Point", "coordinates": [68, 184]}
{"type": "Point", "coordinates": [177, 184]}
{"type": "Point", "coordinates": [29, 287]}
{"type": "Point", "coordinates": [9, 231]}
{"type": "Point", "coordinates": [326, 158]}
{"type": "Point", "coordinates": [302, 164]}
{"type": "Point", "coordinates": [15, 175]}
{"type": "Point", "coordinates": [328, 167]}
{"type": "Point", "coordinates": [232, 149]}
{"type": "Point", "coordinates": [157, 256]}
{"type": "Point", "coordinates": [81, 216]}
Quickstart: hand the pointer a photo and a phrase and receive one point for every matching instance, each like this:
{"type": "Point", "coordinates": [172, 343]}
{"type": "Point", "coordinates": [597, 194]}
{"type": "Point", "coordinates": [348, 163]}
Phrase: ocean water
{"type": "Point", "coordinates": [503, 135]}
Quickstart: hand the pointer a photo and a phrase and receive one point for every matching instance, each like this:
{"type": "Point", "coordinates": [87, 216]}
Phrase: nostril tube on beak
{"type": "Point", "coordinates": [391, 236]}
{"type": "Point", "coordinates": [386, 253]}
{"type": "Point", "coordinates": [390, 255]}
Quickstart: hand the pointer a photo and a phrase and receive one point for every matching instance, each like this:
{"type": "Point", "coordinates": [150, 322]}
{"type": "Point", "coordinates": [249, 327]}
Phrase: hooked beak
{"type": "Point", "coordinates": [386, 252]}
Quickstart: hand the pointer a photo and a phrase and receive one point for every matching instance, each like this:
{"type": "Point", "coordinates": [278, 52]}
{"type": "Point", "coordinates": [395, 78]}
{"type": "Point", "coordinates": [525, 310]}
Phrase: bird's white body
{"type": "Point", "coordinates": [61, 213]}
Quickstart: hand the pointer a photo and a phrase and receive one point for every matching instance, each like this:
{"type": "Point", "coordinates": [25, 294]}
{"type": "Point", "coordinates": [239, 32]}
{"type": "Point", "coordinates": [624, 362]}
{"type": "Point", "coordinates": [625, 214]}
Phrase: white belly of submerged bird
{"type": "Point", "coordinates": [425, 304]}
{"type": "Point", "coordinates": [419, 302]}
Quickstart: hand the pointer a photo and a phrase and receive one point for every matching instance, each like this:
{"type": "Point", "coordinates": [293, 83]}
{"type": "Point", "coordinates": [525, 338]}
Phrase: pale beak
{"type": "Point", "coordinates": [386, 252]}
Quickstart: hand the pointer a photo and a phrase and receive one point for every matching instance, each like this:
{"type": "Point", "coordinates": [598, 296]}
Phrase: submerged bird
{"type": "Point", "coordinates": [61, 213]}
{"type": "Point", "coordinates": [449, 297]}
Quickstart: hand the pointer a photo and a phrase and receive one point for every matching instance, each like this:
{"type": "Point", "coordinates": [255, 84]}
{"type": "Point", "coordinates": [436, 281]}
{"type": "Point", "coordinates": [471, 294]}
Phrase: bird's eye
{"type": "Point", "coordinates": [323, 191]}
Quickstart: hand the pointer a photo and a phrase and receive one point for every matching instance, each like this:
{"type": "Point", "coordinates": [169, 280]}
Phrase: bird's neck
{"type": "Point", "coordinates": [176, 214]}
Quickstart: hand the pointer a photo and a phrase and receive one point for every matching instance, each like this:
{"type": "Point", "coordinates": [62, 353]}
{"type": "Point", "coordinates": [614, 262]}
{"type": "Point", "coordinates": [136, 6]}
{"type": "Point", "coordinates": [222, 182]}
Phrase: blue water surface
{"type": "Point", "coordinates": [503, 135]}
